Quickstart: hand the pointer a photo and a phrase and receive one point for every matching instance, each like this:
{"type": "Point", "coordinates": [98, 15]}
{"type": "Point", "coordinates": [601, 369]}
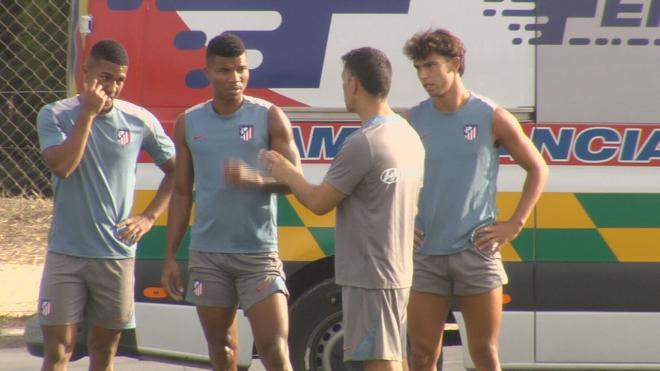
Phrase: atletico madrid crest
{"type": "Point", "coordinates": [45, 307]}
{"type": "Point", "coordinates": [198, 288]}
{"type": "Point", "coordinates": [245, 132]}
{"type": "Point", "coordinates": [470, 132]}
{"type": "Point", "coordinates": [123, 136]}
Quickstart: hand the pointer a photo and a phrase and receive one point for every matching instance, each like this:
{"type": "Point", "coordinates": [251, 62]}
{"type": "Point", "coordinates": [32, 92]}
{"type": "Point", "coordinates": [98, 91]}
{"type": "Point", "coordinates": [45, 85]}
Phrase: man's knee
{"type": "Point", "coordinates": [103, 342]}
{"type": "Point", "coordinates": [484, 355]}
{"type": "Point", "coordinates": [105, 350]}
{"type": "Point", "coordinates": [57, 355]}
{"type": "Point", "coordinates": [223, 348]}
{"type": "Point", "coordinates": [422, 357]}
{"type": "Point", "coordinates": [275, 353]}
{"type": "Point", "coordinates": [58, 346]}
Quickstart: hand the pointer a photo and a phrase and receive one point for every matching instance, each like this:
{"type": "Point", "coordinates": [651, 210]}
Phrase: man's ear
{"type": "Point", "coordinates": [354, 84]}
{"type": "Point", "coordinates": [456, 63]}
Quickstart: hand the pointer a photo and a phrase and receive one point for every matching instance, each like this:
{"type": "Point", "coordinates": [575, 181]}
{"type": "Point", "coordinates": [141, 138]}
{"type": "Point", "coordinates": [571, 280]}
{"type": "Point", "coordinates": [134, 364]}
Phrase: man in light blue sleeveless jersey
{"type": "Point", "coordinates": [91, 144]}
{"type": "Point", "coordinates": [234, 259]}
{"type": "Point", "coordinates": [374, 182]}
{"type": "Point", "coordinates": [458, 237]}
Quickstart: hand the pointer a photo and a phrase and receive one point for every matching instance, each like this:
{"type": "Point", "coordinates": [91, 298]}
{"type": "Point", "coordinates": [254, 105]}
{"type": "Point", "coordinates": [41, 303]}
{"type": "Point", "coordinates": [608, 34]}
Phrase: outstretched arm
{"type": "Point", "coordinates": [320, 199]}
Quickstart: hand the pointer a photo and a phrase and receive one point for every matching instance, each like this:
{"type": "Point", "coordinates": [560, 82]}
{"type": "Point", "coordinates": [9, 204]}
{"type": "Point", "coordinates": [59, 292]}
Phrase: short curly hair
{"type": "Point", "coordinates": [225, 45]}
{"type": "Point", "coordinates": [111, 51]}
{"type": "Point", "coordinates": [438, 41]}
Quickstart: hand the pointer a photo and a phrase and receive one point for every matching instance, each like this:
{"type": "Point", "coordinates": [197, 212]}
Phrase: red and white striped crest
{"type": "Point", "coordinates": [246, 132]}
{"type": "Point", "coordinates": [470, 132]}
{"type": "Point", "coordinates": [123, 136]}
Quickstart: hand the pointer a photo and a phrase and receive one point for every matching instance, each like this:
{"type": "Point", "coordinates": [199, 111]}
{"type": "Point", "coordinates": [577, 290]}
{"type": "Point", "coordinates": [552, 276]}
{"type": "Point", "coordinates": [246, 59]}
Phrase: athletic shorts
{"type": "Point", "coordinates": [233, 280]}
{"type": "Point", "coordinates": [467, 272]}
{"type": "Point", "coordinates": [374, 324]}
{"type": "Point", "coordinates": [97, 290]}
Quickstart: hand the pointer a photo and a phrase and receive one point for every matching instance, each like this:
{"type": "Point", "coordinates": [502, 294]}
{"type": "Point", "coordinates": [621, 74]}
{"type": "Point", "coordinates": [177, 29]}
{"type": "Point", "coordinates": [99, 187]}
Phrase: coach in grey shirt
{"type": "Point", "coordinates": [374, 182]}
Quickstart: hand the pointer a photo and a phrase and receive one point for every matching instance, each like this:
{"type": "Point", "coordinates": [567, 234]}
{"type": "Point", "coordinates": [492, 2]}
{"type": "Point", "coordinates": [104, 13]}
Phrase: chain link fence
{"type": "Point", "coordinates": [33, 57]}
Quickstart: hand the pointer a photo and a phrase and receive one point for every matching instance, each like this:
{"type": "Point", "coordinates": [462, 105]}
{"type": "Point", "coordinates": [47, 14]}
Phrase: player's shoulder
{"type": "Point", "coordinates": [357, 139]}
{"type": "Point", "coordinates": [62, 105]}
{"type": "Point", "coordinates": [137, 112]}
{"type": "Point", "coordinates": [129, 108]}
{"type": "Point", "coordinates": [478, 99]}
{"type": "Point", "coordinates": [201, 106]}
{"type": "Point", "coordinates": [255, 102]}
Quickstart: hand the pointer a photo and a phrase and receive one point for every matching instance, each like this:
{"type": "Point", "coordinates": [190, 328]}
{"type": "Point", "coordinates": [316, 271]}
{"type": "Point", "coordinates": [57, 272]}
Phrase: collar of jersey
{"type": "Point", "coordinates": [381, 119]}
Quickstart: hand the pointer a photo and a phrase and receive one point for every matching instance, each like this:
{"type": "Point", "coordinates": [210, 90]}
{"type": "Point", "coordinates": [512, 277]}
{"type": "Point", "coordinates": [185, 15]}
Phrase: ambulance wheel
{"type": "Point", "coordinates": [316, 337]}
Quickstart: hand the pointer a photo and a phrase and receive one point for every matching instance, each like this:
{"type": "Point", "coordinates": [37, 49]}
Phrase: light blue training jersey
{"type": "Point", "coordinates": [99, 193]}
{"type": "Point", "coordinates": [230, 219]}
{"type": "Point", "coordinates": [460, 176]}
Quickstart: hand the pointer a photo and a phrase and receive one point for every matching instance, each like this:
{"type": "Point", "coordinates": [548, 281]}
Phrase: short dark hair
{"type": "Point", "coordinates": [438, 41]}
{"type": "Point", "coordinates": [372, 69]}
{"type": "Point", "coordinates": [226, 45]}
{"type": "Point", "coordinates": [111, 51]}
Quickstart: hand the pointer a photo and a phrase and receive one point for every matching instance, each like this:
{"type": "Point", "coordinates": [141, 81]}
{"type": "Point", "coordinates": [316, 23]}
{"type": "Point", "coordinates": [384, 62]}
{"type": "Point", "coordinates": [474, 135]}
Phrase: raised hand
{"type": "Point", "coordinates": [93, 98]}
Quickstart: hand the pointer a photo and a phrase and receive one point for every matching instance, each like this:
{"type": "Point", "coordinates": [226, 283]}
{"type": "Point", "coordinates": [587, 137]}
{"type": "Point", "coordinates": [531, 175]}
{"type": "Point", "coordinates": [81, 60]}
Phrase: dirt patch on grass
{"type": "Point", "coordinates": [24, 225]}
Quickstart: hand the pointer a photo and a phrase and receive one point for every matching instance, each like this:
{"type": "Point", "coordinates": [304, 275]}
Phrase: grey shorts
{"type": "Point", "coordinates": [468, 272]}
{"type": "Point", "coordinates": [97, 290]}
{"type": "Point", "coordinates": [374, 324]}
{"type": "Point", "coordinates": [232, 280]}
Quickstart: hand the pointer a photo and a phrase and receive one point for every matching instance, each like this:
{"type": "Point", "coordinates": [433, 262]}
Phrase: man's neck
{"type": "Point", "coordinates": [227, 107]}
{"type": "Point", "coordinates": [453, 99]}
{"type": "Point", "coordinates": [374, 108]}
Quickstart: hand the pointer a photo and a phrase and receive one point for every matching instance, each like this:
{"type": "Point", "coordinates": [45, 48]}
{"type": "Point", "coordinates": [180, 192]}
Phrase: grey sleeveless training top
{"type": "Point", "coordinates": [461, 169]}
{"type": "Point", "coordinates": [229, 219]}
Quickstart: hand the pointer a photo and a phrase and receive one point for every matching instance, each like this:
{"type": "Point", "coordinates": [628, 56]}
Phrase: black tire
{"type": "Point", "coordinates": [316, 335]}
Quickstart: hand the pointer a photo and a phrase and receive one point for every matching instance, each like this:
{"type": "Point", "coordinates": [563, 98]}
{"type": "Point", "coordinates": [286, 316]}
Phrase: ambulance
{"type": "Point", "coordinates": [582, 77]}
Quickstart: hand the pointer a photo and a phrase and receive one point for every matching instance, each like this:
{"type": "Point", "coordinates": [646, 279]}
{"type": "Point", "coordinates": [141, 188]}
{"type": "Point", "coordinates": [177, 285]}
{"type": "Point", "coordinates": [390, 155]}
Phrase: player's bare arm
{"type": "Point", "coordinates": [320, 199]}
{"type": "Point", "coordinates": [133, 228]}
{"type": "Point", "coordinates": [179, 211]}
{"type": "Point", "coordinates": [508, 133]}
{"type": "Point", "coordinates": [281, 140]}
{"type": "Point", "coordinates": [63, 159]}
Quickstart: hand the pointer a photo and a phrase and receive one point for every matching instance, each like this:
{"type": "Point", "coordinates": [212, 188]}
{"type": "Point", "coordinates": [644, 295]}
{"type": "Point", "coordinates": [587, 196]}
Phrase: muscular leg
{"type": "Point", "coordinates": [382, 366]}
{"type": "Point", "coordinates": [483, 314]}
{"type": "Point", "coordinates": [58, 346]}
{"type": "Point", "coordinates": [427, 314]}
{"type": "Point", "coordinates": [221, 332]}
{"type": "Point", "coordinates": [269, 320]}
{"type": "Point", "coordinates": [102, 345]}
